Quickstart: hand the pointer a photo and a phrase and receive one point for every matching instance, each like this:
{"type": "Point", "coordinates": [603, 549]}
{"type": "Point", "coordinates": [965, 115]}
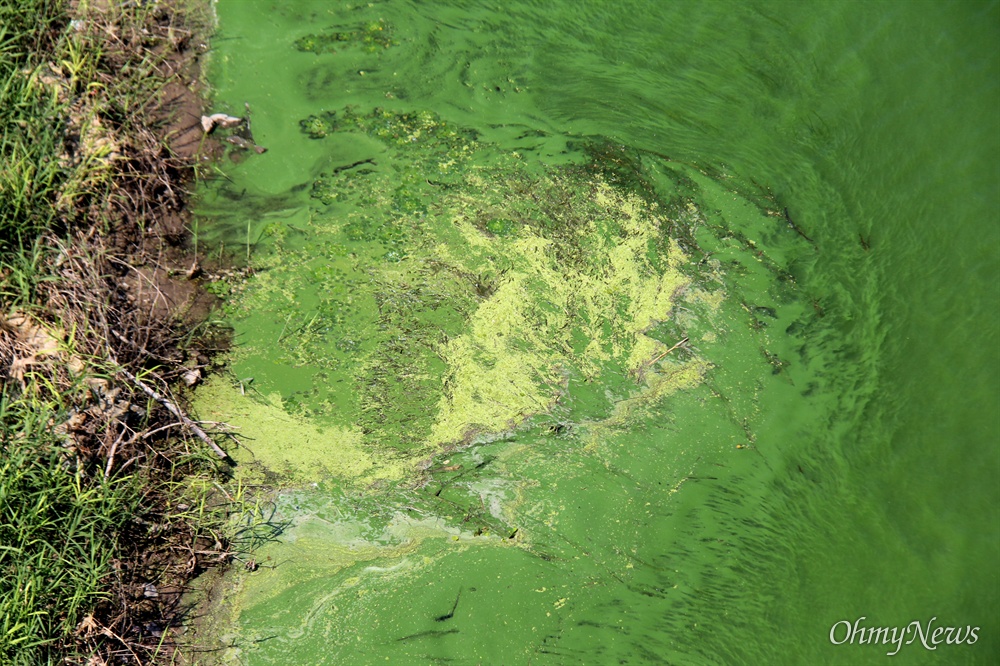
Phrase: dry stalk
{"type": "Point", "coordinates": [682, 342]}
{"type": "Point", "coordinates": [201, 434]}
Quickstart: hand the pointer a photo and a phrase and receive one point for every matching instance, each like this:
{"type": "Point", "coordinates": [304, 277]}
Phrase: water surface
{"type": "Point", "coordinates": [477, 233]}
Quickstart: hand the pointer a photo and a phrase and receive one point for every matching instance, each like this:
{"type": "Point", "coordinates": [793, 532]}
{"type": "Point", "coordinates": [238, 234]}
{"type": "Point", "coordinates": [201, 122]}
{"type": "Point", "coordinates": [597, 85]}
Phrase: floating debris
{"type": "Point", "coordinates": [192, 377]}
{"type": "Point", "coordinates": [209, 123]}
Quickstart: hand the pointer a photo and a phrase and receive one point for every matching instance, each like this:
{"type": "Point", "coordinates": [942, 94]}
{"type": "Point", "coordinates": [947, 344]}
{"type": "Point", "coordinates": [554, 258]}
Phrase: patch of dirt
{"type": "Point", "coordinates": [182, 109]}
{"type": "Point", "coordinates": [162, 294]}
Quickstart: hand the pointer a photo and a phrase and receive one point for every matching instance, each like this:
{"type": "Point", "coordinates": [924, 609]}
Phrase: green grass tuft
{"type": "Point", "coordinates": [32, 124]}
{"type": "Point", "coordinates": [57, 535]}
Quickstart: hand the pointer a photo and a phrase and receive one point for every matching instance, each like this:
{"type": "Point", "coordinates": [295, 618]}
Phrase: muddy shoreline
{"type": "Point", "coordinates": [114, 330]}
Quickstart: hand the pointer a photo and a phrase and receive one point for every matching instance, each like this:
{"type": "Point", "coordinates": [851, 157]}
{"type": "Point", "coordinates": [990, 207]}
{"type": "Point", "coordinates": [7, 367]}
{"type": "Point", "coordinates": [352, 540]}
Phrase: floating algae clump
{"type": "Point", "coordinates": [372, 36]}
{"type": "Point", "coordinates": [577, 295]}
{"type": "Point", "coordinates": [276, 442]}
{"type": "Point", "coordinates": [318, 126]}
{"type": "Point", "coordinates": [452, 291]}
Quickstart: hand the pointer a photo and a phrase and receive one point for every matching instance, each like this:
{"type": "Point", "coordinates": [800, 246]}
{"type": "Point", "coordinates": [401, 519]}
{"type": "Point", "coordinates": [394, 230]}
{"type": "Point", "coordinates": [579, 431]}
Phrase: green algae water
{"type": "Point", "coordinates": [634, 332]}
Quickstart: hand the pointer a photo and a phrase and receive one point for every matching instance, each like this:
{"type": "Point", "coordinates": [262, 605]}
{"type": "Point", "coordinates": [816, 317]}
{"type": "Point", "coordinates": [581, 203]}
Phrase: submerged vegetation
{"type": "Point", "coordinates": [106, 509]}
{"type": "Point", "coordinates": [441, 332]}
{"type": "Point", "coordinates": [372, 36]}
{"type": "Point", "coordinates": [452, 298]}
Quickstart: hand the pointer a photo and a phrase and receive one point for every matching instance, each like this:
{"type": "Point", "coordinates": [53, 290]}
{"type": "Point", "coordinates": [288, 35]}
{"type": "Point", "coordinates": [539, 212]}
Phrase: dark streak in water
{"type": "Point", "coordinates": [427, 634]}
{"type": "Point", "coordinates": [796, 228]}
{"type": "Point", "coordinates": [451, 614]}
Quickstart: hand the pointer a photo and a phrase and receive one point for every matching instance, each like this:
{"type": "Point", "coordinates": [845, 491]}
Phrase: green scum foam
{"type": "Point", "coordinates": [419, 308]}
{"type": "Point", "coordinates": [275, 442]}
{"type": "Point", "coordinates": [469, 366]}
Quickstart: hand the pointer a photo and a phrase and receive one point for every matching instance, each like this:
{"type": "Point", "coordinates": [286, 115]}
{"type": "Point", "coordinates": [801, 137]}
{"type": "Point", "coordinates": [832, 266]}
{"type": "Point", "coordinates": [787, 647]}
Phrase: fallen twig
{"type": "Point", "coordinates": [176, 412]}
{"type": "Point", "coordinates": [668, 351]}
{"type": "Point", "coordinates": [796, 228]}
{"type": "Point", "coordinates": [111, 454]}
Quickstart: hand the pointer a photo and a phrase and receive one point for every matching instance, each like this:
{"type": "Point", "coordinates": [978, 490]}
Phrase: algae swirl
{"type": "Point", "coordinates": [455, 351]}
{"type": "Point", "coordinates": [422, 308]}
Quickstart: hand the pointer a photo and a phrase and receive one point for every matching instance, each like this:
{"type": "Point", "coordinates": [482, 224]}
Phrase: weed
{"type": "Point", "coordinates": [57, 537]}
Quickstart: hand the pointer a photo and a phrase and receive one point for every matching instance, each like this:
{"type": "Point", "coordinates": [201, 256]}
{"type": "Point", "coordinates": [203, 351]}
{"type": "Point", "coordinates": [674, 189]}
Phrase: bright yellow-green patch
{"type": "Point", "coordinates": [512, 361]}
{"type": "Point", "coordinates": [288, 445]}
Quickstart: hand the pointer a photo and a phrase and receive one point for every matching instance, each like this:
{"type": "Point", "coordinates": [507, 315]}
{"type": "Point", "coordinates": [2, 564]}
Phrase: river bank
{"type": "Point", "coordinates": [110, 502]}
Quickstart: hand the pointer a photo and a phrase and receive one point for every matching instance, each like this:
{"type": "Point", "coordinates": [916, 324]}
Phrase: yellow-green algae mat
{"type": "Point", "coordinates": [473, 377]}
